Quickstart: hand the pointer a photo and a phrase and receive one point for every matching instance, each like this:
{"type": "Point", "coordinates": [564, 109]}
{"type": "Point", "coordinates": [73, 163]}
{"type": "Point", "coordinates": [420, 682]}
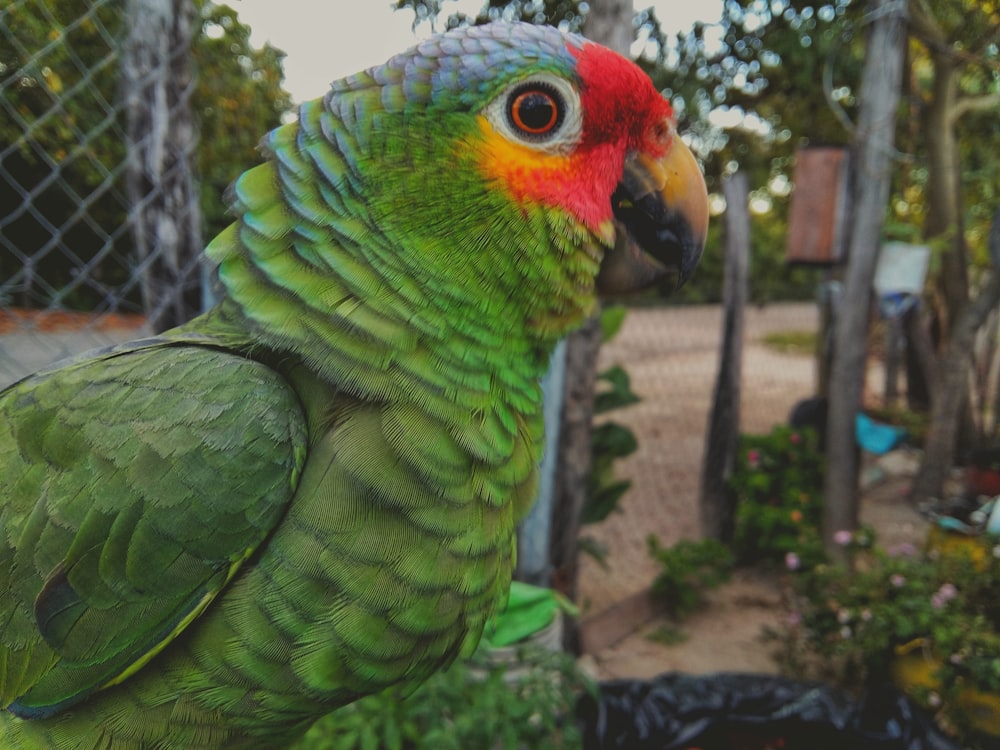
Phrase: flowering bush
{"type": "Point", "coordinates": [850, 626]}
{"type": "Point", "coordinates": [778, 483]}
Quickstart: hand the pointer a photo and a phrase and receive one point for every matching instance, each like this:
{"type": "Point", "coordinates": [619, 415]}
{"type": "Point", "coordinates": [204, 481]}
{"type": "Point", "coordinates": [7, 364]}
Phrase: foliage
{"type": "Point", "coordinates": [778, 483]}
{"type": "Point", "coordinates": [764, 59]}
{"type": "Point", "coordinates": [238, 98]}
{"type": "Point", "coordinates": [850, 626]}
{"type": "Point", "coordinates": [688, 570]}
{"type": "Point", "coordinates": [58, 78]}
{"type": "Point", "coordinates": [463, 707]}
{"type": "Point", "coordinates": [69, 123]}
{"type": "Point", "coordinates": [609, 440]}
{"type": "Point", "coordinates": [566, 14]}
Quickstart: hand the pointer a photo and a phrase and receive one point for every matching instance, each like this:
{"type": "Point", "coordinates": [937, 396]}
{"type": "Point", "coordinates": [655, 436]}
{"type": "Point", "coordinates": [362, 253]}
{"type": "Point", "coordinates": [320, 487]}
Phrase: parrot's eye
{"type": "Point", "coordinates": [535, 109]}
{"type": "Point", "coordinates": [542, 112]}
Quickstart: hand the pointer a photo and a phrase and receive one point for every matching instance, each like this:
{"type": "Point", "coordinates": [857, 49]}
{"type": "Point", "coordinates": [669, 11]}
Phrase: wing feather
{"type": "Point", "coordinates": [133, 485]}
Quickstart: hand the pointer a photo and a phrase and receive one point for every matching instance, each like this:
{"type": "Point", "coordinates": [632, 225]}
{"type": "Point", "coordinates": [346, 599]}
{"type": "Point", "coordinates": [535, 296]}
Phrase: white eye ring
{"type": "Point", "coordinates": [542, 112]}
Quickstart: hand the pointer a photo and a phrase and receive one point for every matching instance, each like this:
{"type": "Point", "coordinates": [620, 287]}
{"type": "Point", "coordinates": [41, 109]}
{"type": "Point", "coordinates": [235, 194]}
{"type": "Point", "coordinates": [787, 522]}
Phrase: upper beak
{"type": "Point", "coordinates": [661, 218]}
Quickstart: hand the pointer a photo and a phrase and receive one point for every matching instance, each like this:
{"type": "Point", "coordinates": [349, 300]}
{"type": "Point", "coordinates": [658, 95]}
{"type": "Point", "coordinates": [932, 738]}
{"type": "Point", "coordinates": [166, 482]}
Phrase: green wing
{"type": "Point", "coordinates": [133, 485]}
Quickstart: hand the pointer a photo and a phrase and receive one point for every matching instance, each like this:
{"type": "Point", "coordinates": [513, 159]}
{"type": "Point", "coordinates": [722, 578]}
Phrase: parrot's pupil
{"type": "Point", "coordinates": [535, 112]}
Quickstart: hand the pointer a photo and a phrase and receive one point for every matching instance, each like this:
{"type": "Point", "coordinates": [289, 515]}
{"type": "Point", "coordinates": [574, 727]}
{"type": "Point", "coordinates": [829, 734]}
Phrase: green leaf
{"type": "Point", "coordinates": [620, 395]}
{"type": "Point", "coordinates": [604, 502]}
{"type": "Point", "coordinates": [612, 318]}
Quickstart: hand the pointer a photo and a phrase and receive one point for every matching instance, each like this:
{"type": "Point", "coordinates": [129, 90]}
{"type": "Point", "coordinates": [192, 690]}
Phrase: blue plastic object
{"type": "Point", "coordinates": [876, 437]}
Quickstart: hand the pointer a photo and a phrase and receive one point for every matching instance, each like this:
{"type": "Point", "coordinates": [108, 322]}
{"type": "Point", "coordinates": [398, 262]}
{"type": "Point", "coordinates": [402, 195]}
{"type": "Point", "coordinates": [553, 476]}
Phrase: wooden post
{"type": "Point", "coordinates": [158, 81]}
{"type": "Point", "coordinates": [718, 505]}
{"type": "Point", "coordinates": [880, 88]}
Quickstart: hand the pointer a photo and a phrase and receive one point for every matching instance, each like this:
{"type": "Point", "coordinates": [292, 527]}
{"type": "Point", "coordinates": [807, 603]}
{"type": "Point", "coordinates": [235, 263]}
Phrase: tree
{"type": "Point", "coordinates": [157, 82]}
{"type": "Point", "coordinates": [62, 138]}
{"type": "Point", "coordinates": [961, 79]}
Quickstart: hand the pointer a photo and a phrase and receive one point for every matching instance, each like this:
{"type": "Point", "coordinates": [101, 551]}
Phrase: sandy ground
{"type": "Point", "coordinates": [672, 357]}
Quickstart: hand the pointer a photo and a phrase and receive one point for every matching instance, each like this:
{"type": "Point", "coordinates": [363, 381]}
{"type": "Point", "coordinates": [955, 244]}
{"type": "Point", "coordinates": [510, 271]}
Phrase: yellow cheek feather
{"type": "Point", "coordinates": [519, 168]}
{"type": "Point", "coordinates": [549, 178]}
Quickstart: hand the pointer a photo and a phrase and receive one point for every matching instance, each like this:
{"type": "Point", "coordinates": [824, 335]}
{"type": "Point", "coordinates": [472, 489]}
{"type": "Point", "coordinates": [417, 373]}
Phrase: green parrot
{"type": "Point", "coordinates": [213, 536]}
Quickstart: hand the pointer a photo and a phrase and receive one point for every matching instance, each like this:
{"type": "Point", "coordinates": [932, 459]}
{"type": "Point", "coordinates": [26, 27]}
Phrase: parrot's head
{"type": "Point", "coordinates": [495, 177]}
{"type": "Point", "coordinates": [514, 156]}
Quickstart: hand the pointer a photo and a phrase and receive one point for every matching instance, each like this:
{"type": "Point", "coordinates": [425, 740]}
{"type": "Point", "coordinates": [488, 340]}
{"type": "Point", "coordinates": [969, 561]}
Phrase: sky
{"type": "Point", "coordinates": [328, 39]}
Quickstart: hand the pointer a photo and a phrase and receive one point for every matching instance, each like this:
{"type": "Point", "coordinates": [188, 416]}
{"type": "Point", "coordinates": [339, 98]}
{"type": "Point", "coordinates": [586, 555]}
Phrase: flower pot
{"type": "Point", "coordinates": [915, 668]}
{"type": "Point", "coordinates": [980, 481]}
{"type": "Point", "coordinates": [947, 542]}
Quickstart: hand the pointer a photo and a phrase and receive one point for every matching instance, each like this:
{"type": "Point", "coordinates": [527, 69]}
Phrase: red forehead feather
{"type": "Point", "coordinates": [622, 111]}
{"type": "Point", "coordinates": [617, 97]}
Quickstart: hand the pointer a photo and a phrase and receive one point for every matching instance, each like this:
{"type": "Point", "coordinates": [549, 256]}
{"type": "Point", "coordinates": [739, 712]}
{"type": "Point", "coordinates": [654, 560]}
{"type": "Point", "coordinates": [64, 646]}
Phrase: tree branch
{"type": "Point", "coordinates": [925, 27]}
{"type": "Point", "coordinates": [967, 104]}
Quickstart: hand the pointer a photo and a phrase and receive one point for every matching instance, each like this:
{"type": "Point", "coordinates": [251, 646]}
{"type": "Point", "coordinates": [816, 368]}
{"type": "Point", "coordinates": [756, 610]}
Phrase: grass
{"type": "Point", "coordinates": [792, 342]}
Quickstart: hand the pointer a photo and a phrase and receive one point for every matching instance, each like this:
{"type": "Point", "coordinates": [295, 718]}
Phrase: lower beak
{"type": "Point", "coordinates": [661, 219]}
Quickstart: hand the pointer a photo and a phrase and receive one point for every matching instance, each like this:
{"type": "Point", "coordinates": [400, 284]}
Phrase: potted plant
{"type": "Point", "coordinates": [929, 621]}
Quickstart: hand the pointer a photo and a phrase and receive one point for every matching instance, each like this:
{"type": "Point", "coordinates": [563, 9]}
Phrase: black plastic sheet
{"type": "Point", "coordinates": [730, 711]}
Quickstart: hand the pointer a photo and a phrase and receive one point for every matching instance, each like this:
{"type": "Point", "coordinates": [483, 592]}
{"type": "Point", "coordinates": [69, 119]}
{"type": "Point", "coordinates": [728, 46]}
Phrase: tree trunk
{"type": "Point", "coordinates": [880, 89]}
{"type": "Point", "coordinates": [165, 219]}
{"type": "Point", "coordinates": [573, 469]}
{"type": "Point", "coordinates": [951, 368]}
{"type": "Point", "coordinates": [718, 505]}
{"type": "Point", "coordinates": [609, 22]}
{"type": "Point", "coordinates": [944, 215]}
{"type": "Point", "coordinates": [952, 381]}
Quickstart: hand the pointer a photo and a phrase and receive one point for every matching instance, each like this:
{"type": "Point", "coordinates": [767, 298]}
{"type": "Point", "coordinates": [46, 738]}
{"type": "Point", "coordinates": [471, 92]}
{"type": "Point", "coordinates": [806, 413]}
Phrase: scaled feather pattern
{"type": "Point", "coordinates": [214, 536]}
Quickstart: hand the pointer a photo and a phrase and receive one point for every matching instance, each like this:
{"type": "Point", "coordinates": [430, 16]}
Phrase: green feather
{"type": "Point", "coordinates": [210, 538]}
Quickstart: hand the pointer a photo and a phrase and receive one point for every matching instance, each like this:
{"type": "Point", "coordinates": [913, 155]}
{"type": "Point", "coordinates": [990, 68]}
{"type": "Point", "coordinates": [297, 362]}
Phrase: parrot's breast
{"type": "Point", "coordinates": [397, 549]}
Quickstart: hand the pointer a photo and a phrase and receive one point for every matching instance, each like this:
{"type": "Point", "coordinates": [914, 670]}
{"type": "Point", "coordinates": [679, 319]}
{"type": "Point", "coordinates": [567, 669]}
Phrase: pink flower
{"type": "Point", "coordinates": [943, 595]}
{"type": "Point", "coordinates": [897, 580]}
{"type": "Point", "coordinates": [753, 458]}
{"type": "Point", "coordinates": [903, 550]}
{"type": "Point", "coordinates": [795, 437]}
{"type": "Point", "coordinates": [792, 561]}
{"type": "Point", "coordinates": [843, 537]}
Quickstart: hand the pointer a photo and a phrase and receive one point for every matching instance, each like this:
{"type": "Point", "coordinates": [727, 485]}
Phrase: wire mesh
{"type": "Point", "coordinates": [70, 277]}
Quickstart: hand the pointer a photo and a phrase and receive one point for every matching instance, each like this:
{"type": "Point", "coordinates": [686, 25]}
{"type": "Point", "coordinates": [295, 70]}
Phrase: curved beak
{"type": "Point", "coordinates": [661, 219]}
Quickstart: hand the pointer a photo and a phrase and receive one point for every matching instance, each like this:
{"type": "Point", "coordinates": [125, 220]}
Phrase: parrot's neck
{"type": "Point", "coordinates": [371, 277]}
{"type": "Point", "coordinates": [452, 366]}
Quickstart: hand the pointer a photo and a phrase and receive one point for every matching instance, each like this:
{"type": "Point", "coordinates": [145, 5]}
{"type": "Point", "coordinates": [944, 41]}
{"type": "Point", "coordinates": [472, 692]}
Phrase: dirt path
{"type": "Point", "coordinates": [671, 355]}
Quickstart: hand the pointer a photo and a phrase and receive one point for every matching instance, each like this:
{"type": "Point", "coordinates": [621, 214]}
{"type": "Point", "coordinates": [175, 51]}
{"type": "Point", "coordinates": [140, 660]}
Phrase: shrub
{"type": "Point", "coordinates": [688, 570]}
{"type": "Point", "coordinates": [778, 483]}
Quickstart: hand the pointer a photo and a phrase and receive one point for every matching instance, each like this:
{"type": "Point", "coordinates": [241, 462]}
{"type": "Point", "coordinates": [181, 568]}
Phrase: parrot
{"type": "Point", "coordinates": [215, 535]}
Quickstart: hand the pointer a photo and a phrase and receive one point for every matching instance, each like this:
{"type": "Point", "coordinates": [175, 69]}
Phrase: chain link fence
{"type": "Point", "coordinates": [95, 147]}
